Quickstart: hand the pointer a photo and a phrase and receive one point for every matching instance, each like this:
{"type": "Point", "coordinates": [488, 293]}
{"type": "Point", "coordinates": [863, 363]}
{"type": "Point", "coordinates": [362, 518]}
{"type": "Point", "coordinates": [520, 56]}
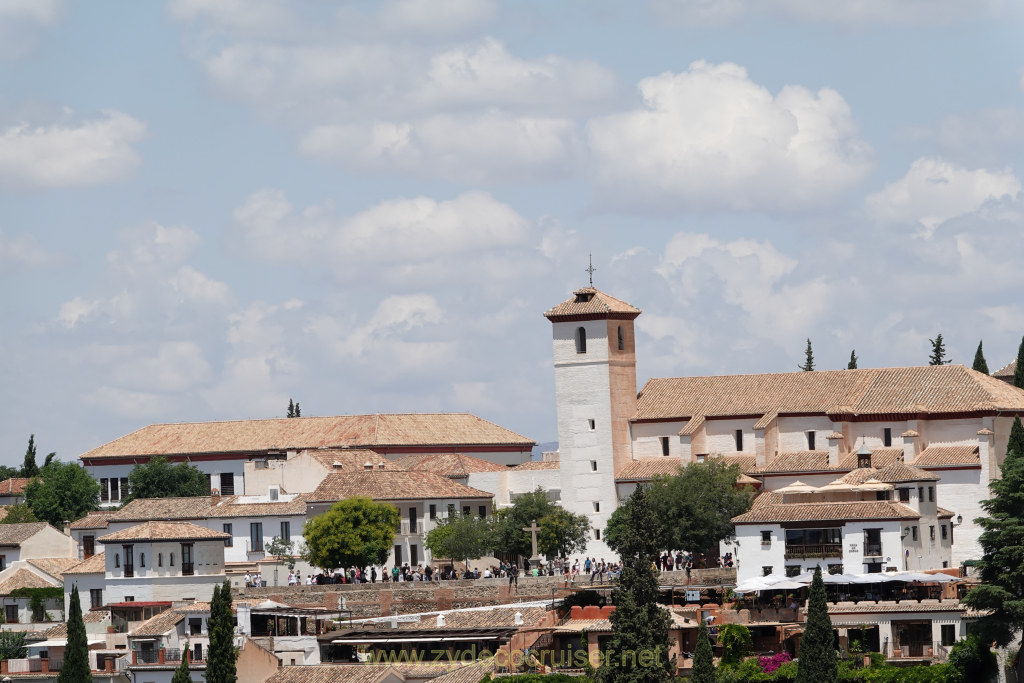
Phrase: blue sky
{"type": "Point", "coordinates": [208, 208]}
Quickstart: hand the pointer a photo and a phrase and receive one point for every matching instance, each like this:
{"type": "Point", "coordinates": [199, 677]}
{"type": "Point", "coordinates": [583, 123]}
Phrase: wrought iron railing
{"type": "Point", "coordinates": [814, 550]}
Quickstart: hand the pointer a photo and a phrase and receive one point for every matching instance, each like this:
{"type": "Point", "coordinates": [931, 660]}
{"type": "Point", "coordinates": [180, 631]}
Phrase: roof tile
{"type": "Point", "coordinates": [164, 531]}
{"type": "Point", "coordinates": [590, 303]}
{"type": "Point", "coordinates": [939, 456]}
{"type": "Point", "coordinates": [769, 508]}
{"type": "Point", "coordinates": [391, 485]}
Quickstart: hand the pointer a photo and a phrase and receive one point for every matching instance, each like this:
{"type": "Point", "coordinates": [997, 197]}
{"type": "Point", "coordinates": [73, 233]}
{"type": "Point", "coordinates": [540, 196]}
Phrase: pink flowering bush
{"type": "Point", "coordinates": [770, 664]}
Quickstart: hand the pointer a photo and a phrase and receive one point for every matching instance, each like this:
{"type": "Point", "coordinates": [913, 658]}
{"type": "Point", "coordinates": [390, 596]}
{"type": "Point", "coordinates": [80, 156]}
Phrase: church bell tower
{"type": "Point", "coordinates": [595, 395]}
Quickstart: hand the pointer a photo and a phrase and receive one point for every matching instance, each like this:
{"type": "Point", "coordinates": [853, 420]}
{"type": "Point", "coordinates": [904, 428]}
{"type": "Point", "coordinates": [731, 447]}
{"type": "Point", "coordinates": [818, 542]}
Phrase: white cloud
{"type": "Point", "coordinates": [90, 153]}
{"type": "Point", "coordinates": [844, 12]}
{"type": "Point", "coordinates": [77, 309]}
{"type": "Point", "coordinates": [195, 286]}
{"type": "Point", "coordinates": [468, 148]}
{"type": "Point", "coordinates": [436, 16]}
{"type": "Point", "coordinates": [20, 252]}
{"type": "Point", "coordinates": [176, 366]}
{"type": "Point", "coordinates": [934, 191]}
{"type": "Point", "coordinates": [22, 23]}
{"type": "Point", "coordinates": [711, 138]}
{"type": "Point", "coordinates": [152, 245]}
{"type": "Point", "coordinates": [137, 405]}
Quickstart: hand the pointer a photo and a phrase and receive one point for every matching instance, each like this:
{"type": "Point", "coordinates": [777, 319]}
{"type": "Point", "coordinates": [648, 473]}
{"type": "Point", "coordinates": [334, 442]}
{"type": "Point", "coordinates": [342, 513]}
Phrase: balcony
{"type": "Point", "coordinates": [873, 550]}
{"type": "Point", "coordinates": [129, 570]}
{"type": "Point", "coordinates": [814, 550]}
{"type": "Point", "coordinates": [188, 568]}
{"type": "Point", "coordinates": [407, 529]}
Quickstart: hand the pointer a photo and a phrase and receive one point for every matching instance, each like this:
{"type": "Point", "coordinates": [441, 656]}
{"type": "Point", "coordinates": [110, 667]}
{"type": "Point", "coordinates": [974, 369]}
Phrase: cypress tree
{"type": "Point", "coordinates": [703, 658]}
{"type": "Point", "coordinates": [182, 673]}
{"type": "Point", "coordinates": [1015, 444]}
{"type": "Point", "coordinates": [808, 358]}
{"type": "Point", "coordinates": [1018, 372]}
{"type": "Point", "coordinates": [298, 409]}
{"type": "Point", "coordinates": [29, 468]}
{"type": "Point", "coordinates": [291, 408]}
{"type": "Point", "coordinates": [220, 662]}
{"type": "Point", "coordinates": [938, 356]}
{"type": "Point", "coordinates": [76, 667]}
{"type": "Point", "coordinates": [852, 365]}
{"type": "Point", "coordinates": [817, 662]}
{"type": "Point", "coordinates": [979, 361]}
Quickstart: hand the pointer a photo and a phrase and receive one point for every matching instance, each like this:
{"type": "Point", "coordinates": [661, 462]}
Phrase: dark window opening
{"type": "Point", "coordinates": [187, 567]}
{"type": "Point", "coordinates": [904, 495]}
{"type": "Point", "coordinates": [887, 437]}
{"type": "Point", "coordinates": [739, 439]}
{"type": "Point", "coordinates": [95, 598]}
{"type": "Point", "coordinates": [88, 546]}
{"type": "Point", "coordinates": [228, 542]}
{"type": "Point", "coordinates": [227, 484]}
{"type": "Point", "coordinates": [255, 538]}
{"type": "Point", "coordinates": [766, 571]}
{"type": "Point", "coordinates": [810, 440]}
{"type": "Point", "coordinates": [581, 340]}
{"type": "Point", "coordinates": [412, 520]}
{"type": "Point", "coordinates": [433, 511]}
{"type": "Point", "coordinates": [286, 531]}
{"type": "Point", "coordinates": [622, 341]}
{"type": "Point", "coordinates": [129, 560]}
{"type": "Point", "coordinates": [664, 445]}
{"type": "Point", "coordinates": [482, 510]}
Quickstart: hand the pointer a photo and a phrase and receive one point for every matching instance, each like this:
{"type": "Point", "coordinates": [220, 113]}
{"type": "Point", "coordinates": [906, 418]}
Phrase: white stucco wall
{"type": "Point", "coordinates": [792, 432]}
{"type": "Point", "coordinates": [212, 467]}
{"type": "Point", "coordinates": [721, 436]}
{"type": "Point", "coordinates": [646, 438]}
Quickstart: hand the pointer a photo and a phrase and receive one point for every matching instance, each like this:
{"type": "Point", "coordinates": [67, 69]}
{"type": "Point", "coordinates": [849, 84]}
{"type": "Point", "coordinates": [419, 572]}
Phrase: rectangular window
{"type": "Point", "coordinates": [129, 560]}
{"type": "Point", "coordinates": [398, 556]}
{"type": "Point", "coordinates": [593, 424]}
{"type": "Point", "coordinates": [766, 571]}
{"type": "Point", "coordinates": [104, 490]}
{"type": "Point", "coordinates": [931, 494]}
{"type": "Point", "coordinates": [872, 543]}
{"type": "Point", "coordinates": [88, 546]}
{"type": "Point", "coordinates": [115, 489]}
{"type": "Point", "coordinates": [810, 440]}
{"type": "Point", "coordinates": [465, 509]}
{"type": "Point", "coordinates": [209, 483]}
{"type": "Point", "coordinates": [414, 555]}
{"type": "Point", "coordinates": [433, 511]}
{"type": "Point", "coordinates": [597, 506]}
{"type": "Point", "coordinates": [664, 445]}
{"type": "Point", "coordinates": [931, 532]}
{"type": "Point", "coordinates": [948, 632]}
{"type": "Point", "coordinates": [913, 533]}
{"type": "Point", "coordinates": [286, 531]}
{"type": "Point", "coordinates": [597, 534]}
{"type": "Point", "coordinates": [11, 614]}
{"type": "Point", "coordinates": [255, 537]}
{"type": "Point", "coordinates": [187, 567]}
{"type": "Point", "coordinates": [766, 537]}
{"type": "Point", "coordinates": [482, 511]}
{"type": "Point", "coordinates": [227, 484]}
{"type": "Point", "coordinates": [195, 626]}
{"type": "Point", "coordinates": [793, 570]}
{"type": "Point", "coordinates": [3, 562]}
{"type": "Point", "coordinates": [945, 535]}
{"type": "Point", "coordinates": [887, 437]}
{"type": "Point", "coordinates": [228, 542]}
{"type": "Point", "coordinates": [593, 466]}
{"type": "Point", "coordinates": [125, 488]}
{"type": "Point", "coordinates": [197, 652]}
{"type": "Point", "coordinates": [920, 494]}
{"type": "Point", "coordinates": [904, 495]}
{"type": "Point", "coordinates": [95, 598]}
{"type": "Point", "coordinates": [412, 520]}
{"type": "Point", "coordinates": [739, 439]}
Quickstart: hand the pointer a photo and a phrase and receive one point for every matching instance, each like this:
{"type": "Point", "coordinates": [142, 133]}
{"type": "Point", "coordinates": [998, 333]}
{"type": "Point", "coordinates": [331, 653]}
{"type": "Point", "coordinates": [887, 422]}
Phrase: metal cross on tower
{"type": "Point", "coordinates": [590, 269]}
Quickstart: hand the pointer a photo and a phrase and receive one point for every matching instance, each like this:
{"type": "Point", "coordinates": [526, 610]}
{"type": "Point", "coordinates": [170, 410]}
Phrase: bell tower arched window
{"type": "Point", "coordinates": [622, 341]}
{"type": "Point", "coordinates": [581, 340]}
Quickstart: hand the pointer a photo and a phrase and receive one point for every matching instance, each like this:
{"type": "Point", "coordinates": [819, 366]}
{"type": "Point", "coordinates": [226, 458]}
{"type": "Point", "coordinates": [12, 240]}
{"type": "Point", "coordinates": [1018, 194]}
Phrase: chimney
{"type": "Point", "coordinates": [215, 497]}
{"type": "Point", "coordinates": [441, 620]}
{"type": "Point", "coordinates": [518, 619]}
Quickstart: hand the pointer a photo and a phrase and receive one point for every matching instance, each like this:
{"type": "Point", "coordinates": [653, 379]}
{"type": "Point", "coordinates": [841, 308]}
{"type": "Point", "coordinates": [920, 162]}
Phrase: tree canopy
{"type": "Point", "coordinates": [979, 361]}
{"type": "Point", "coordinates": [509, 524]}
{"type": "Point", "coordinates": [76, 655]}
{"type": "Point", "coordinates": [19, 514]}
{"type": "Point", "coordinates": [808, 358]}
{"type": "Point", "coordinates": [29, 468]}
{"type": "Point", "coordinates": [695, 507]}
{"type": "Point", "coordinates": [63, 492]}
{"type": "Point", "coordinates": [1018, 372]}
{"type": "Point", "coordinates": [221, 660]}
{"type": "Point", "coordinates": [938, 356]}
{"type": "Point", "coordinates": [158, 478]}
{"type": "Point", "coordinates": [703, 657]}
{"type": "Point", "coordinates": [460, 537]}
{"type": "Point", "coordinates": [355, 532]}
{"type": "Point", "coordinates": [294, 409]}
{"type": "Point", "coordinates": [182, 674]}
{"type": "Point", "coordinates": [817, 661]}
{"type": "Point", "coordinates": [562, 533]}
{"type": "Point", "coordinates": [852, 365]}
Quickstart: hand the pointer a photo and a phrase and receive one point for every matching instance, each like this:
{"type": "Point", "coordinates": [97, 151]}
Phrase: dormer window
{"type": "Point", "coordinates": [584, 297]}
{"type": "Point", "coordinates": [581, 340]}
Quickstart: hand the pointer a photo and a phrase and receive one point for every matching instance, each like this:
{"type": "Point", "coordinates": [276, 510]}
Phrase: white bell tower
{"type": "Point", "coordinates": [595, 394]}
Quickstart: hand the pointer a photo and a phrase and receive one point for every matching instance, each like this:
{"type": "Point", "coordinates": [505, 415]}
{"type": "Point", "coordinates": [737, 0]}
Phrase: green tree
{"type": "Point", "coordinates": [29, 468]}
{"type": "Point", "coordinates": [62, 492]}
{"type": "Point", "coordinates": [938, 356]}
{"type": "Point", "coordinates": [12, 645]}
{"type": "Point", "coordinates": [808, 358]}
{"type": "Point", "coordinates": [852, 365]}
{"type": "Point", "coordinates": [298, 409]}
{"type": "Point", "coordinates": [562, 533]}
{"type": "Point", "coordinates": [7, 472]}
{"type": "Point", "coordinates": [509, 524]}
{"type": "Point", "coordinates": [703, 658]}
{"type": "Point", "coordinates": [182, 673]}
{"type": "Point", "coordinates": [695, 507]}
{"type": "Point", "coordinates": [979, 361]}
{"type": "Point", "coordinates": [736, 642]}
{"type": "Point", "coordinates": [283, 551]}
{"type": "Point", "coordinates": [355, 532]}
{"type": "Point", "coordinates": [973, 659]}
{"type": "Point", "coordinates": [460, 537]}
{"type": "Point", "coordinates": [1018, 371]}
{"type": "Point", "coordinates": [220, 662]}
{"type": "Point", "coordinates": [76, 667]}
{"type": "Point", "coordinates": [19, 514]}
{"type": "Point", "coordinates": [158, 478]}
{"type": "Point", "coordinates": [817, 662]}
{"type": "Point", "coordinates": [291, 408]}
{"type": "Point", "coordinates": [637, 651]}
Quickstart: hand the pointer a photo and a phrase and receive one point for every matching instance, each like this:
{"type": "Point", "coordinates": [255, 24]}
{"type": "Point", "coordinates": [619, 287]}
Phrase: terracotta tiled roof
{"type": "Point", "coordinates": [368, 673]}
{"type": "Point", "coordinates": [943, 513]}
{"type": "Point", "coordinates": [879, 391]}
{"type": "Point", "coordinates": [97, 519]}
{"type": "Point", "coordinates": [350, 460]}
{"type": "Point", "coordinates": [835, 435]}
{"type": "Point", "coordinates": [257, 436]}
{"type": "Point", "coordinates": [537, 465]}
{"type": "Point", "coordinates": [467, 674]}
{"type": "Point", "coordinates": [12, 486]}
{"type": "Point", "coordinates": [235, 506]}
{"type": "Point", "coordinates": [939, 456]}
{"type": "Point", "coordinates": [449, 464]}
{"type": "Point", "coordinates": [589, 303]}
{"type": "Point", "coordinates": [769, 508]}
{"type": "Point", "coordinates": [460, 620]}
{"type": "Point", "coordinates": [16, 534]}
{"type": "Point", "coordinates": [898, 473]}
{"type": "Point", "coordinates": [391, 485]}
{"type": "Point", "coordinates": [1007, 370]}
{"type": "Point", "coordinates": [164, 531]}
{"type": "Point", "coordinates": [817, 461]}
{"type": "Point", "coordinates": [693, 426]}
{"type": "Point", "coordinates": [23, 578]}
{"type": "Point", "coordinates": [90, 617]}
{"type": "Point", "coordinates": [645, 469]}
{"type": "Point", "coordinates": [747, 463]}
{"type": "Point", "coordinates": [147, 509]}
{"type": "Point", "coordinates": [159, 624]}
{"type": "Point", "coordinates": [54, 566]}
{"type": "Point", "coordinates": [912, 606]}
{"type": "Point", "coordinates": [93, 565]}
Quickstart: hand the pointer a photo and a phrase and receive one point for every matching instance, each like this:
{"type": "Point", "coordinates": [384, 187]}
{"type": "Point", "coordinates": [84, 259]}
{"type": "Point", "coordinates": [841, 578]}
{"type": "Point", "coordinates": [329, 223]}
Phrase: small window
{"type": "Point", "coordinates": [95, 598]}
{"type": "Point", "coordinates": [581, 340]}
{"type": "Point", "coordinates": [766, 537]}
{"type": "Point", "coordinates": [920, 494]}
{"type": "Point", "coordinates": [593, 466]}
{"type": "Point", "coordinates": [227, 484]}
{"type": "Point", "coordinates": [228, 542]}
{"type": "Point", "coordinates": [433, 511]}
{"type": "Point", "coordinates": [766, 571]}
{"type": "Point", "coordinates": [739, 439]}
{"type": "Point", "coordinates": [943, 531]}
{"type": "Point", "coordinates": [159, 559]}
{"type": "Point", "coordinates": [171, 559]}
{"type": "Point", "coordinates": [286, 531]}
{"type": "Point", "coordinates": [887, 437]}
{"type": "Point", "coordinates": [664, 445]}
{"type": "Point", "coordinates": [597, 534]}
{"type": "Point", "coordinates": [931, 494]}
{"type": "Point", "coordinates": [931, 532]}
{"type": "Point", "coordinates": [913, 533]}
{"type": "Point", "coordinates": [597, 506]}
{"type": "Point", "coordinates": [117, 560]}
{"type": "Point", "coordinates": [104, 490]}
{"type": "Point", "coordinates": [482, 511]}
{"type": "Point", "coordinates": [948, 634]}
{"type": "Point", "coordinates": [593, 424]}
{"type": "Point", "coordinates": [904, 495]}
{"type": "Point", "coordinates": [142, 559]}
{"type": "Point", "coordinates": [793, 570]}
{"type": "Point", "coordinates": [622, 341]}
{"type": "Point", "coordinates": [810, 441]}
{"type": "Point", "coordinates": [465, 509]}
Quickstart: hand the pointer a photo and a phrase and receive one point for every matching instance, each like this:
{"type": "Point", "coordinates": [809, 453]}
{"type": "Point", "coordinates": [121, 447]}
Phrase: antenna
{"type": "Point", "coordinates": [590, 269]}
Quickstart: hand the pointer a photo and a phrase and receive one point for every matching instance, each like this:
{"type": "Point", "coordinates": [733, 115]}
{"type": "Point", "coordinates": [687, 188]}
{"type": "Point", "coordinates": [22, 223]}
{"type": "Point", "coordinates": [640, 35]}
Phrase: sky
{"type": "Point", "coordinates": [210, 207]}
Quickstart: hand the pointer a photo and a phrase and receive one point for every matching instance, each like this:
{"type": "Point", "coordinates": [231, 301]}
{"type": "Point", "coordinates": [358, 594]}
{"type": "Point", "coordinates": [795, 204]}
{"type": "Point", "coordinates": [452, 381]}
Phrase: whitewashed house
{"type": "Point", "coordinates": [32, 541]}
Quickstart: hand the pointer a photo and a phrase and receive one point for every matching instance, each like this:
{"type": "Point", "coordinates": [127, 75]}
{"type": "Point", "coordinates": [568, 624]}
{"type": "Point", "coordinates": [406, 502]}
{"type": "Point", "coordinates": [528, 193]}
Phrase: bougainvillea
{"type": "Point", "coordinates": [770, 664]}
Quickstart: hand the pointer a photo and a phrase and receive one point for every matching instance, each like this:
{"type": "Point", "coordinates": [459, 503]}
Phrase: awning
{"type": "Point", "coordinates": [63, 642]}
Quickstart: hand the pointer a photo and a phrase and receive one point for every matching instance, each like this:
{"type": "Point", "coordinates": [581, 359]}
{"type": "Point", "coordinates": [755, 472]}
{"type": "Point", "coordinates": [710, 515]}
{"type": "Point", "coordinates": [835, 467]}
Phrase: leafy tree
{"type": "Point", "coordinates": [19, 514]}
{"type": "Point", "coordinates": [12, 645]}
{"type": "Point", "coordinates": [703, 657]}
{"type": "Point", "coordinates": [973, 659]}
{"type": "Point", "coordinates": [460, 537]}
{"type": "Point", "coordinates": [938, 356]}
{"type": "Point", "coordinates": [355, 532]}
{"type": "Point", "coordinates": [808, 358]}
{"type": "Point", "coordinates": [1018, 372]}
{"type": "Point", "coordinates": [76, 655]}
{"type": "Point", "coordinates": [695, 507]}
{"type": "Point", "coordinates": [62, 492]}
{"type": "Point", "coordinates": [29, 468]}
{"type": "Point", "coordinates": [637, 651]}
{"type": "Point", "coordinates": [508, 529]}
{"type": "Point", "coordinates": [562, 533]}
{"type": "Point", "coordinates": [817, 662]}
{"type": "Point", "coordinates": [220, 662]}
{"type": "Point", "coordinates": [852, 365]}
{"type": "Point", "coordinates": [979, 361]}
{"type": "Point", "coordinates": [158, 478]}
{"type": "Point", "coordinates": [6, 472]}
{"type": "Point", "coordinates": [182, 673]}
{"type": "Point", "coordinates": [736, 642]}
{"type": "Point", "coordinates": [283, 550]}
